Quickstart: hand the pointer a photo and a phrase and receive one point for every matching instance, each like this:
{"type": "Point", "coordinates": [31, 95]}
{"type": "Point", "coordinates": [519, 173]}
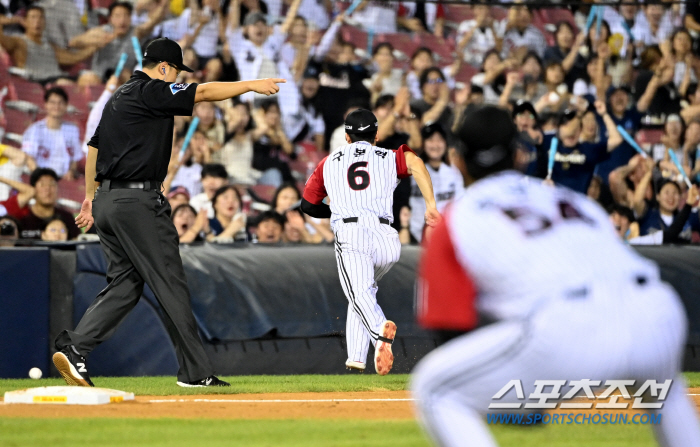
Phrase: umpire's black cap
{"type": "Point", "coordinates": [166, 50]}
{"type": "Point", "coordinates": [487, 138]}
{"type": "Point", "coordinates": [361, 121]}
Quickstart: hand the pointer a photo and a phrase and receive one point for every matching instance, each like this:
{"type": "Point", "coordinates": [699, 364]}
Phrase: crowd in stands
{"type": "Point", "coordinates": [585, 84]}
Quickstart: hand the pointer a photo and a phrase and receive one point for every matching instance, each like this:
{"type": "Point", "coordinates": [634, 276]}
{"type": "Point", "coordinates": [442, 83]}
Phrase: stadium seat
{"type": "Point", "coordinates": [649, 136]}
{"type": "Point", "coordinates": [465, 73]}
{"type": "Point", "coordinates": [17, 121]}
{"type": "Point", "coordinates": [25, 90]}
{"type": "Point", "coordinates": [73, 190]}
{"type": "Point", "coordinates": [355, 36]}
{"type": "Point", "coordinates": [556, 15]}
{"type": "Point", "coordinates": [263, 193]}
{"type": "Point", "coordinates": [458, 14]}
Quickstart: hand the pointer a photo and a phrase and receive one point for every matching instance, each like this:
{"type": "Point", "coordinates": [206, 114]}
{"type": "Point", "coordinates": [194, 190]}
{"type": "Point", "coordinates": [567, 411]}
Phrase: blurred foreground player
{"type": "Point", "coordinates": [359, 178]}
{"type": "Point", "coordinates": [128, 156]}
{"type": "Point", "coordinates": [568, 300]}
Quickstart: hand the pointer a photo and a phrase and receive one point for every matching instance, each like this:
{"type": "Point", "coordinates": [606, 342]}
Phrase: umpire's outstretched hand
{"type": "Point", "coordinates": [267, 86]}
{"type": "Point", "coordinates": [85, 219]}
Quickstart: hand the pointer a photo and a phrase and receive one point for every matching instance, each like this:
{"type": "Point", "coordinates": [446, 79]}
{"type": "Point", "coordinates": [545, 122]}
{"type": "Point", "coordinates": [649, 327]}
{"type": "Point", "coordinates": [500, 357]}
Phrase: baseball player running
{"type": "Point", "coordinates": [568, 300]}
{"type": "Point", "coordinates": [359, 179]}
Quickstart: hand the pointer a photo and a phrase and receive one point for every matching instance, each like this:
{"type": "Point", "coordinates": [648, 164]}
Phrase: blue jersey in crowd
{"type": "Point", "coordinates": [630, 121]}
{"type": "Point", "coordinates": [574, 166]}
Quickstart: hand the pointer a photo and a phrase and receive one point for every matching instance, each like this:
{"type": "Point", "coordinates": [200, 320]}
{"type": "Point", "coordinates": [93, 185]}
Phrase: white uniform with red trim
{"type": "Point", "coordinates": [570, 301]}
{"type": "Point", "coordinates": [359, 179]}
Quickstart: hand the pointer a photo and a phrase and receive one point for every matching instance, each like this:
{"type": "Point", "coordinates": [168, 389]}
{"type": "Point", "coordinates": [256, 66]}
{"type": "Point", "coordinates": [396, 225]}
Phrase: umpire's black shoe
{"type": "Point", "coordinates": [209, 381]}
{"type": "Point", "coordinates": [72, 366]}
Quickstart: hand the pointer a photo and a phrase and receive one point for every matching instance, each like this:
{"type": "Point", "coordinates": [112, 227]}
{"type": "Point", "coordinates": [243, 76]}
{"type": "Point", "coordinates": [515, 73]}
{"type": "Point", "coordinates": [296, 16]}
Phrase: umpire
{"type": "Point", "coordinates": [128, 159]}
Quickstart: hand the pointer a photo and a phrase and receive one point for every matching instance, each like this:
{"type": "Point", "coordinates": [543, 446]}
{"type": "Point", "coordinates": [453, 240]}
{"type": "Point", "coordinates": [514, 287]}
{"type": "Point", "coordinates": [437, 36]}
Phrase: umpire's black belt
{"type": "Point", "coordinates": [147, 185]}
{"type": "Point", "coordinates": [355, 219]}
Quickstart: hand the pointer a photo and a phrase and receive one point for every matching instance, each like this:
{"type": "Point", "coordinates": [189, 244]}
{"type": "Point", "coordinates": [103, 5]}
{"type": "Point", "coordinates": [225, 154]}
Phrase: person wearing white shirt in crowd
{"type": "Point", "coordinates": [378, 16]}
{"type": "Point", "coordinates": [387, 80]}
{"type": "Point", "coordinates": [214, 176]}
{"type": "Point", "coordinates": [256, 51]}
{"type": "Point", "coordinates": [422, 59]}
{"type": "Point", "coordinates": [302, 46]}
{"type": "Point", "coordinates": [315, 12]}
{"type": "Point", "coordinates": [649, 29]}
{"type": "Point", "coordinates": [202, 23]}
{"type": "Point", "coordinates": [54, 143]}
{"type": "Point", "coordinates": [12, 162]}
{"type": "Point", "coordinates": [308, 124]}
{"type": "Point", "coordinates": [480, 34]}
{"type": "Point", "coordinates": [189, 173]}
{"type": "Point", "coordinates": [447, 180]}
{"type": "Point", "coordinates": [520, 32]}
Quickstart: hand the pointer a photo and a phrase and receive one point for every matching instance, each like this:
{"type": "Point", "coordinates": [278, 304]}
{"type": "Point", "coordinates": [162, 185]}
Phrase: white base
{"type": "Point", "coordinates": [67, 395]}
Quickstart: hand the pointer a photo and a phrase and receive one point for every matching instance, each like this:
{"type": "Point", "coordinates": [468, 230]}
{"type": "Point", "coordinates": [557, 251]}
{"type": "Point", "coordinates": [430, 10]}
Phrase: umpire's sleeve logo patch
{"type": "Point", "coordinates": [178, 87]}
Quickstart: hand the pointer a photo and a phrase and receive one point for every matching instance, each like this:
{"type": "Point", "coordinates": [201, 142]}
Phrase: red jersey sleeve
{"type": "Point", "coordinates": [315, 189]}
{"type": "Point", "coordinates": [401, 168]}
{"type": "Point", "coordinates": [446, 294]}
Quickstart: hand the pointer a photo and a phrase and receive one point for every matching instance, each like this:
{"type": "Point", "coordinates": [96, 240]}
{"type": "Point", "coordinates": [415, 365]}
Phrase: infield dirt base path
{"type": "Point", "coordinates": [352, 405]}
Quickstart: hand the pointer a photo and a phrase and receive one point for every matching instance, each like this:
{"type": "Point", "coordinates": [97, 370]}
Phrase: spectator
{"type": "Point", "coordinates": [379, 16]}
{"type": "Point", "coordinates": [556, 97]}
{"type": "Point", "coordinates": [665, 214]}
{"type": "Point", "coordinates": [630, 184]}
{"type": "Point", "coordinates": [9, 231]}
{"type": "Point", "coordinates": [691, 149]}
{"type": "Point", "coordinates": [422, 17]}
{"type": "Point", "coordinates": [308, 124]}
{"type": "Point", "coordinates": [12, 161]}
{"type": "Point", "coordinates": [526, 83]}
{"type": "Point", "coordinates": [114, 38]}
{"type": "Point", "coordinates": [212, 128]}
{"type": "Point", "coordinates": [387, 80]}
{"type": "Point", "coordinates": [65, 21]}
{"type": "Point", "coordinates": [650, 32]}
{"type": "Point", "coordinates": [479, 35]}
{"type": "Point", "coordinates": [520, 34]}
{"type": "Point", "coordinates": [447, 180]}
{"type": "Point", "coordinates": [15, 205]}
{"type": "Point", "coordinates": [270, 227]}
{"type": "Point", "coordinates": [566, 51]}
{"type": "Point", "coordinates": [198, 26]}
{"type": "Point", "coordinates": [34, 53]}
{"type": "Point", "coordinates": [492, 76]}
{"type": "Point", "coordinates": [434, 104]}
{"type": "Point", "coordinates": [421, 60]}
{"type": "Point", "coordinates": [623, 221]}
{"type": "Point", "coordinates": [190, 225]}
{"type": "Point", "coordinates": [286, 201]}
{"type": "Point", "coordinates": [303, 46]}
{"type": "Point", "coordinates": [691, 21]}
{"type": "Point", "coordinates": [229, 223]}
{"type": "Point", "coordinates": [398, 121]}
{"type": "Point", "coordinates": [691, 105]}
{"type": "Point", "coordinates": [575, 161]}
{"type": "Point", "coordinates": [256, 52]}
{"type": "Point", "coordinates": [54, 230]}
{"type": "Point", "coordinates": [295, 230]}
{"type": "Point", "coordinates": [45, 182]}
{"type": "Point", "coordinates": [214, 176]}
{"type": "Point", "coordinates": [188, 171]}
{"type": "Point", "coordinates": [685, 63]}
{"type": "Point", "coordinates": [178, 195]}
{"type": "Point", "coordinates": [237, 153]}
{"type": "Point", "coordinates": [96, 111]}
{"type": "Point", "coordinates": [53, 142]}
{"type": "Point", "coordinates": [529, 138]}
{"type": "Point", "coordinates": [672, 139]}
{"type": "Point", "coordinates": [664, 96]}
{"type": "Point", "coordinates": [270, 145]}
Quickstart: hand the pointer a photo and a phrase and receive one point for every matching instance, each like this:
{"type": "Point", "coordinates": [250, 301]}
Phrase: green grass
{"type": "Point", "coordinates": [165, 386]}
{"type": "Point", "coordinates": [307, 433]}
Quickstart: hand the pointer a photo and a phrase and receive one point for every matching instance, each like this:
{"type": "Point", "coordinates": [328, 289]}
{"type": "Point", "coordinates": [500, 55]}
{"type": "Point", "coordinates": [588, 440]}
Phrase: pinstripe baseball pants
{"type": "Point", "coordinates": [365, 252]}
{"type": "Point", "coordinates": [620, 331]}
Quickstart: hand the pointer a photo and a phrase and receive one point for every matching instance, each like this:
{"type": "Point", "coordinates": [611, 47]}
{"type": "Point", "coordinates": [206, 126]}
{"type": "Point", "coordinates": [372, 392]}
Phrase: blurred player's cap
{"type": "Point", "coordinates": [178, 190]}
{"type": "Point", "coordinates": [254, 17]}
{"type": "Point", "coordinates": [487, 140]}
{"type": "Point", "coordinates": [524, 106]}
{"type": "Point", "coordinates": [166, 50]}
{"type": "Point", "coordinates": [361, 121]}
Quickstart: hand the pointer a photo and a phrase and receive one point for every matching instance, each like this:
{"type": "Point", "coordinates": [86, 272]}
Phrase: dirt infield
{"type": "Point", "coordinates": [353, 405]}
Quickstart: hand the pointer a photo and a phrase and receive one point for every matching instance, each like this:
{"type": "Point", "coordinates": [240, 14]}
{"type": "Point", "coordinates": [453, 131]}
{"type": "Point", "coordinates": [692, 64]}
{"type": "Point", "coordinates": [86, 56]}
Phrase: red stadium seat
{"type": "Point", "coordinates": [649, 136]}
{"type": "Point", "coordinates": [458, 13]}
{"type": "Point", "coordinates": [72, 190]}
{"type": "Point", "coordinates": [355, 36]}
{"type": "Point", "coordinates": [24, 90]}
{"type": "Point", "coordinates": [556, 15]}
{"type": "Point", "coordinates": [465, 73]}
{"type": "Point", "coordinates": [262, 192]}
{"type": "Point", "coordinates": [17, 121]}
{"type": "Point", "coordinates": [442, 48]}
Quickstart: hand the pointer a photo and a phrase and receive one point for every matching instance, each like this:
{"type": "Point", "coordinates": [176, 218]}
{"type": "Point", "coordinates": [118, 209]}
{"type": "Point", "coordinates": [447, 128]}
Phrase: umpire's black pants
{"type": "Point", "coordinates": [141, 245]}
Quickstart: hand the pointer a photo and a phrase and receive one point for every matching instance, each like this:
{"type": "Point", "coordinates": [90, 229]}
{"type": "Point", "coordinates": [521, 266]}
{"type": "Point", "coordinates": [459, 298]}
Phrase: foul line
{"type": "Point", "coordinates": [255, 401]}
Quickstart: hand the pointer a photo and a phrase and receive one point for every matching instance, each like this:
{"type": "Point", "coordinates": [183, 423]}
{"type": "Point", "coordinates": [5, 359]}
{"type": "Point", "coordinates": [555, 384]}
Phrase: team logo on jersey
{"type": "Point", "coordinates": [178, 87]}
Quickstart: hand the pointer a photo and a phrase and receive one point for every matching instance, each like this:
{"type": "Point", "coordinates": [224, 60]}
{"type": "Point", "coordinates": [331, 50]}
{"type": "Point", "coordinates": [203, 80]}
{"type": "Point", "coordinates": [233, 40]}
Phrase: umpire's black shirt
{"type": "Point", "coordinates": [135, 134]}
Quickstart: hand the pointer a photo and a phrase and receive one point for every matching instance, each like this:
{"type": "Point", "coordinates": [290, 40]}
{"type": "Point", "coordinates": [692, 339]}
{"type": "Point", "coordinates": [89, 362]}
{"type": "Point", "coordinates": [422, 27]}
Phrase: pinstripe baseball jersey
{"type": "Point", "coordinates": [359, 179]}
{"type": "Point", "coordinates": [509, 245]}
